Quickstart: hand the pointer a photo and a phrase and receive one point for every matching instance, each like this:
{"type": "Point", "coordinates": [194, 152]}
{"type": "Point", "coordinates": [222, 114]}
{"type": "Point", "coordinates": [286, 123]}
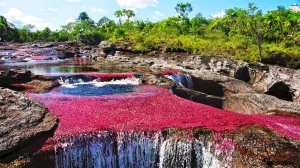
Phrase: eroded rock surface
{"type": "Point", "coordinates": [261, 88]}
{"type": "Point", "coordinates": [22, 121]}
{"type": "Point", "coordinates": [259, 103]}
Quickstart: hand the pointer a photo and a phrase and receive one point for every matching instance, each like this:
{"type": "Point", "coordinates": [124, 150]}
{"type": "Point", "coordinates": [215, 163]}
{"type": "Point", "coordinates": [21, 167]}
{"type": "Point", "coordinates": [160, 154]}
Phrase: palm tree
{"type": "Point", "coordinates": [119, 14]}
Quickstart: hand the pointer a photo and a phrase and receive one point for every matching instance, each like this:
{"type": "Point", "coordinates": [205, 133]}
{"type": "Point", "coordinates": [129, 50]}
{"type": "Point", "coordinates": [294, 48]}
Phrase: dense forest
{"type": "Point", "coordinates": [245, 34]}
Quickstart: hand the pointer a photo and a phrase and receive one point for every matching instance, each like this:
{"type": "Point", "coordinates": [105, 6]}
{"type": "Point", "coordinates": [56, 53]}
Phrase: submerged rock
{"type": "Point", "coordinates": [22, 122]}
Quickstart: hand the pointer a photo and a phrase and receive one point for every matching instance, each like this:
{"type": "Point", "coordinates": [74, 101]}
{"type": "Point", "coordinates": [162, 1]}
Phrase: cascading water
{"type": "Point", "coordinates": [75, 79]}
{"type": "Point", "coordinates": [183, 79]}
{"type": "Point", "coordinates": [85, 86]}
{"type": "Point", "coordinates": [135, 149]}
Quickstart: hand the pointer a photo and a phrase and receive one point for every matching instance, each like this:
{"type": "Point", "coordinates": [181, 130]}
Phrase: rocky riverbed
{"type": "Point", "coordinates": [118, 108]}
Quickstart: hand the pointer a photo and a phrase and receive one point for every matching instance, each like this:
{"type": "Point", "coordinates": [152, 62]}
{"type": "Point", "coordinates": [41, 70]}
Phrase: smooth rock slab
{"type": "Point", "coordinates": [22, 121]}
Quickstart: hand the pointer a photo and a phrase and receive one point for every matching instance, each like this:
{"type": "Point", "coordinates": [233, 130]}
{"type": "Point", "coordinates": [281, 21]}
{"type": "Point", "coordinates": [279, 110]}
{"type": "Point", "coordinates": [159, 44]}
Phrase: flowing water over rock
{"type": "Point", "coordinates": [136, 149]}
{"type": "Point", "coordinates": [183, 79]}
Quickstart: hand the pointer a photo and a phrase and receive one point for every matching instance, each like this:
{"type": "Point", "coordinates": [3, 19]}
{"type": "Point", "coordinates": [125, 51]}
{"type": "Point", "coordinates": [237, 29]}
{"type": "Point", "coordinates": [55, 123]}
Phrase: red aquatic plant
{"type": "Point", "coordinates": [150, 109]}
{"type": "Point", "coordinates": [171, 72]}
{"type": "Point", "coordinates": [23, 86]}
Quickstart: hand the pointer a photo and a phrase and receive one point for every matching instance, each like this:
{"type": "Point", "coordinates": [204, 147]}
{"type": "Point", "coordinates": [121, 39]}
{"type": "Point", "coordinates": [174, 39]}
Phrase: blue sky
{"type": "Point", "coordinates": [54, 13]}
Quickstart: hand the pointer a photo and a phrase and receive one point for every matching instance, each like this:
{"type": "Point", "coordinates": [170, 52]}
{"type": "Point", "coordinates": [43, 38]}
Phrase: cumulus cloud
{"type": "Point", "coordinates": [69, 20]}
{"type": "Point", "coordinates": [137, 3]}
{"type": "Point", "coordinates": [220, 14]}
{"type": "Point", "coordinates": [98, 10]}
{"type": "Point", "coordinates": [19, 18]}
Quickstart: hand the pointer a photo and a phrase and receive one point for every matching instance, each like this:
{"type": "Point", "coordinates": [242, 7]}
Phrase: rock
{"type": "Point", "coordinates": [70, 49]}
{"type": "Point", "coordinates": [249, 103]}
{"type": "Point", "coordinates": [153, 53]}
{"type": "Point", "coordinates": [46, 45]}
{"type": "Point", "coordinates": [198, 97]}
{"type": "Point", "coordinates": [107, 47]}
{"type": "Point", "coordinates": [218, 85]}
{"type": "Point", "coordinates": [242, 73]}
{"type": "Point", "coordinates": [42, 86]}
{"type": "Point", "coordinates": [275, 78]}
{"type": "Point", "coordinates": [281, 90]}
{"type": "Point", "coordinates": [11, 77]}
{"type": "Point", "coordinates": [260, 147]}
{"type": "Point", "coordinates": [22, 122]}
{"type": "Point", "coordinates": [118, 53]}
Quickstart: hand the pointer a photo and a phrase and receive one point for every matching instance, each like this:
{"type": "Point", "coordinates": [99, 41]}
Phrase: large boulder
{"type": "Point", "coordinates": [22, 122]}
{"type": "Point", "coordinates": [249, 103]}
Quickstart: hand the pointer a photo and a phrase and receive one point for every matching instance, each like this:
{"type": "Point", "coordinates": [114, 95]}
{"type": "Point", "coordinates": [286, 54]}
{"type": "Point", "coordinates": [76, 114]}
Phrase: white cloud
{"type": "Point", "coordinates": [220, 14]}
{"type": "Point", "coordinates": [19, 18]}
{"type": "Point", "coordinates": [2, 4]}
{"type": "Point", "coordinates": [159, 13]}
{"type": "Point", "coordinates": [137, 3]}
{"type": "Point", "coordinates": [295, 7]}
{"type": "Point", "coordinates": [73, 1]}
{"type": "Point", "coordinates": [70, 20]}
{"type": "Point", "coordinates": [52, 9]}
{"type": "Point", "coordinates": [98, 10]}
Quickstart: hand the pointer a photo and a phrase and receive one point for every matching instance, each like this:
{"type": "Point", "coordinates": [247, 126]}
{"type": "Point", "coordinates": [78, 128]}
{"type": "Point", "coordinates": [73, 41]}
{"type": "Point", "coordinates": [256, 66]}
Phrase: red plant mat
{"type": "Point", "coordinates": [148, 109]}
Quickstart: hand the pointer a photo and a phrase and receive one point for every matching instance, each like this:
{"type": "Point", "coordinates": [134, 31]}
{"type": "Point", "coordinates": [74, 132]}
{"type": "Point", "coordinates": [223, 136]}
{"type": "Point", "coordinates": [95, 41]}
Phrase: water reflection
{"type": "Point", "coordinates": [61, 69]}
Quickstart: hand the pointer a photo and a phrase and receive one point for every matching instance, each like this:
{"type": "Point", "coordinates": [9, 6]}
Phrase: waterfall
{"type": "Point", "coordinates": [183, 79]}
{"type": "Point", "coordinates": [122, 150]}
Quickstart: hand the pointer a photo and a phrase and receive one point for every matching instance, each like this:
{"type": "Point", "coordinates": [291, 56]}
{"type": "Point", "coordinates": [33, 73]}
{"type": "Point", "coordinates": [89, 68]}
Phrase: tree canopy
{"type": "Point", "coordinates": [184, 9]}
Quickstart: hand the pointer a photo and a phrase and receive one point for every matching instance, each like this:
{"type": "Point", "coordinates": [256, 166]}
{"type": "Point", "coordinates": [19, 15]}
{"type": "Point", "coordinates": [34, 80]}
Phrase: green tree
{"type": "Point", "coordinates": [8, 32]}
{"type": "Point", "coordinates": [128, 14]}
{"type": "Point", "coordinates": [198, 24]}
{"type": "Point", "coordinates": [184, 9]}
{"type": "Point", "coordinates": [63, 35]}
{"type": "Point", "coordinates": [119, 15]}
{"type": "Point", "coordinates": [83, 16]}
{"type": "Point", "coordinates": [102, 21]}
{"type": "Point", "coordinates": [26, 33]}
{"type": "Point", "coordinates": [45, 34]}
{"type": "Point", "coordinates": [256, 27]}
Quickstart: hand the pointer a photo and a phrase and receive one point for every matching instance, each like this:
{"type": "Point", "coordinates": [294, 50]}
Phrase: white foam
{"type": "Point", "coordinates": [128, 81]}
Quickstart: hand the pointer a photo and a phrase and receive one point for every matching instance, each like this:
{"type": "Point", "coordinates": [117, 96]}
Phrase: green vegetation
{"type": "Point", "coordinates": [245, 34]}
